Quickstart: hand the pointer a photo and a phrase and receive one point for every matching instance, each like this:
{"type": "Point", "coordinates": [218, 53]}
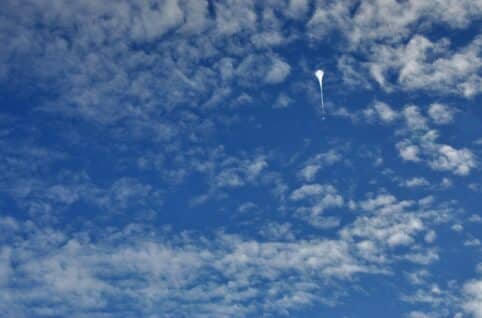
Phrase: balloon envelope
{"type": "Point", "coordinates": [319, 74]}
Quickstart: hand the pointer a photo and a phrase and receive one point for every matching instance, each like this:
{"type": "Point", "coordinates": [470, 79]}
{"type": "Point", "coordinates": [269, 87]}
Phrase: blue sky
{"type": "Point", "coordinates": [169, 158]}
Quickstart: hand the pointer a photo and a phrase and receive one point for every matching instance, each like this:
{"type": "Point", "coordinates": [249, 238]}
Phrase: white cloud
{"type": "Point", "coordinates": [392, 21]}
{"type": "Point", "coordinates": [256, 167]}
{"type": "Point", "coordinates": [5, 266]}
{"type": "Point", "coordinates": [318, 162]}
{"type": "Point", "coordinates": [278, 72]}
{"type": "Point", "coordinates": [298, 8]}
{"type": "Point", "coordinates": [283, 101]}
{"type": "Point", "coordinates": [387, 224]}
{"type": "Point", "coordinates": [308, 190]}
{"type": "Point", "coordinates": [475, 218]}
{"type": "Point", "coordinates": [324, 195]}
{"type": "Point", "coordinates": [459, 161]}
{"type": "Point", "coordinates": [472, 242]}
{"type": "Point", "coordinates": [196, 16]}
{"type": "Point", "coordinates": [422, 64]}
{"type": "Point", "coordinates": [430, 236]}
{"type": "Point", "coordinates": [278, 231]}
{"type": "Point", "coordinates": [440, 114]}
{"type": "Point", "coordinates": [446, 183]}
{"type": "Point", "coordinates": [328, 17]}
{"type": "Point", "coordinates": [377, 202]}
{"type": "Point", "coordinates": [256, 68]}
{"type": "Point", "coordinates": [267, 40]}
{"type": "Point", "coordinates": [414, 119]}
{"type": "Point", "coordinates": [152, 23]}
{"type": "Point", "coordinates": [235, 172]}
{"type": "Point", "coordinates": [419, 314]}
{"type": "Point", "coordinates": [309, 171]}
{"type": "Point", "coordinates": [63, 194]}
{"type": "Point", "coordinates": [416, 182]}
{"type": "Point", "coordinates": [408, 151]}
{"type": "Point", "coordinates": [420, 145]}
{"type": "Point", "coordinates": [159, 72]}
{"type": "Point", "coordinates": [382, 112]}
{"type": "Point", "coordinates": [425, 258]}
{"type": "Point", "coordinates": [123, 194]}
{"type": "Point", "coordinates": [457, 227]}
{"type": "Point", "coordinates": [233, 16]}
{"type": "Point", "coordinates": [385, 113]}
{"type": "Point", "coordinates": [180, 273]}
{"type": "Point", "coordinates": [316, 198]}
{"type": "Point", "coordinates": [472, 302]}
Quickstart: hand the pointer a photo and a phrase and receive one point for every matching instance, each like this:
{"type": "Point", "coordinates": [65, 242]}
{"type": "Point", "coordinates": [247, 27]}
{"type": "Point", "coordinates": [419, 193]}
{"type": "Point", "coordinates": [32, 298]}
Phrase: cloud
{"type": "Point", "coordinates": [387, 224]}
{"type": "Point", "coordinates": [266, 68]}
{"type": "Point", "coordinates": [307, 190]}
{"type": "Point", "coordinates": [268, 40]}
{"type": "Point", "coordinates": [416, 182]}
{"type": "Point", "coordinates": [180, 274]}
{"type": "Point", "coordinates": [235, 172]}
{"type": "Point", "coordinates": [413, 118]}
{"type": "Point", "coordinates": [398, 59]}
{"type": "Point", "coordinates": [278, 72]}
{"type": "Point", "coordinates": [153, 22]}
{"type": "Point", "coordinates": [298, 8]}
{"type": "Point", "coordinates": [328, 192]}
{"type": "Point", "coordinates": [440, 114]}
{"type": "Point", "coordinates": [377, 202]}
{"type": "Point", "coordinates": [400, 18]}
{"type": "Point", "coordinates": [430, 236]}
{"type": "Point", "coordinates": [420, 145]}
{"type": "Point", "coordinates": [426, 65]}
{"type": "Point", "coordinates": [283, 101]}
{"type": "Point", "coordinates": [408, 152]}
{"type": "Point", "coordinates": [5, 266]}
{"type": "Point", "coordinates": [149, 267]}
{"type": "Point", "coordinates": [233, 16]}
{"type": "Point", "coordinates": [315, 164]}
{"type": "Point", "coordinates": [459, 161]}
{"type": "Point", "coordinates": [419, 314]}
{"type": "Point", "coordinates": [278, 231]}
{"type": "Point", "coordinates": [143, 100]}
{"type": "Point", "coordinates": [439, 157]}
{"type": "Point", "coordinates": [381, 112]}
{"type": "Point", "coordinates": [472, 302]}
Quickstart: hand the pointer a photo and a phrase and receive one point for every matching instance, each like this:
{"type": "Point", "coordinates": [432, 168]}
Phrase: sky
{"type": "Point", "coordinates": [168, 158]}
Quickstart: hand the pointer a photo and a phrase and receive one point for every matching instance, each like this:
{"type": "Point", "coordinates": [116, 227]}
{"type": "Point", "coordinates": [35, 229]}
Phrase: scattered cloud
{"type": "Point", "coordinates": [416, 182]}
{"type": "Point", "coordinates": [318, 162]}
{"type": "Point", "coordinates": [381, 112]}
{"type": "Point", "coordinates": [440, 114]}
{"type": "Point", "coordinates": [472, 302]}
{"type": "Point", "coordinates": [146, 164]}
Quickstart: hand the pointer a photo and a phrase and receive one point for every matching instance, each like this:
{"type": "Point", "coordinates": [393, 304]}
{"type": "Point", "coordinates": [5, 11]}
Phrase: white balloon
{"type": "Point", "coordinates": [319, 75]}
